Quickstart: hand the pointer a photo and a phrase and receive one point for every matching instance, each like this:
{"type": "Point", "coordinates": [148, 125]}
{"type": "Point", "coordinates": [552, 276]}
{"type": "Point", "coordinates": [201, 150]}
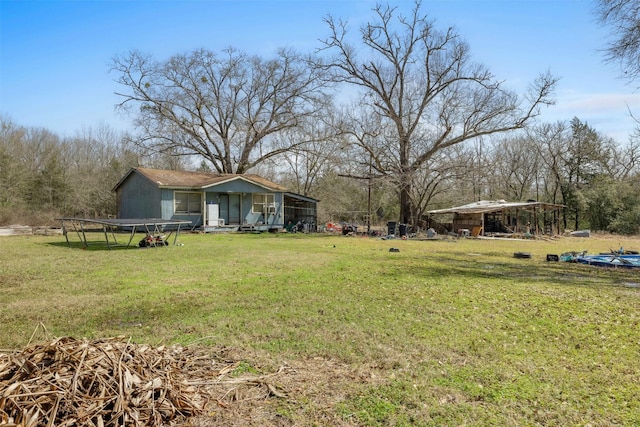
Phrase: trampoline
{"type": "Point", "coordinates": [150, 226]}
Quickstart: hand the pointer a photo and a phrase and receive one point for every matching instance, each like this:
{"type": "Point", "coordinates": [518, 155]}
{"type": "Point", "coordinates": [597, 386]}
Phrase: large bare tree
{"type": "Point", "coordinates": [623, 19]}
{"type": "Point", "coordinates": [422, 83]}
{"type": "Point", "coordinates": [225, 108]}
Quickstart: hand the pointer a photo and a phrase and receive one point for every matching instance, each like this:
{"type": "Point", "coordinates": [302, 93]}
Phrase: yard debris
{"type": "Point", "coordinates": [523, 255]}
{"type": "Point", "coordinates": [571, 256]}
{"type": "Point", "coordinates": [152, 241]}
{"type": "Point", "coordinates": [580, 233]}
{"type": "Point", "coordinates": [621, 251]}
{"type": "Point", "coordinates": [610, 260]}
{"type": "Point", "coordinates": [114, 382]}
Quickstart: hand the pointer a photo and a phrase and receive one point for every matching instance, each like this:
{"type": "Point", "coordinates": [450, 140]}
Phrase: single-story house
{"type": "Point", "coordinates": [495, 217]}
{"type": "Point", "coordinates": [212, 201]}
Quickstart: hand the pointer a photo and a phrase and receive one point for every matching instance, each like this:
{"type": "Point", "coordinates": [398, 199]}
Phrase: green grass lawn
{"type": "Point", "coordinates": [448, 332]}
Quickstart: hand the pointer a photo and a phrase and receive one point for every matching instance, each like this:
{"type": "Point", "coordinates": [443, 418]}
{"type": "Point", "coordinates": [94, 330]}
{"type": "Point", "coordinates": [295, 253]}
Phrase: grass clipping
{"type": "Point", "coordinates": [113, 382]}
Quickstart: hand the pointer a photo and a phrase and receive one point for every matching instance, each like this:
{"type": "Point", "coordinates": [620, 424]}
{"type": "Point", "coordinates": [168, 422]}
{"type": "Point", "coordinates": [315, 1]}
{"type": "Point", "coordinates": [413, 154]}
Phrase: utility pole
{"type": "Point", "coordinates": [369, 197]}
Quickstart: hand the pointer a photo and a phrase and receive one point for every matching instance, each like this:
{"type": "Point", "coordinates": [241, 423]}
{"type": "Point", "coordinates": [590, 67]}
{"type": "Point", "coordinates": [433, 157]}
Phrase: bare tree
{"type": "Point", "coordinates": [306, 163]}
{"type": "Point", "coordinates": [443, 175]}
{"type": "Point", "coordinates": [225, 108]}
{"type": "Point", "coordinates": [14, 170]}
{"type": "Point", "coordinates": [476, 182]}
{"type": "Point", "coordinates": [624, 162]}
{"type": "Point", "coordinates": [43, 176]}
{"type": "Point", "coordinates": [623, 18]}
{"type": "Point", "coordinates": [422, 84]}
{"type": "Point", "coordinates": [95, 160]}
{"type": "Point", "coordinates": [550, 140]}
{"type": "Point", "coordinates": [516, 164]}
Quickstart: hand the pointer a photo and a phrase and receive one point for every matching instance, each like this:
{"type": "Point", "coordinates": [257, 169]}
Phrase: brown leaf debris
{"type": "Point", "coordinates": [113, 382]}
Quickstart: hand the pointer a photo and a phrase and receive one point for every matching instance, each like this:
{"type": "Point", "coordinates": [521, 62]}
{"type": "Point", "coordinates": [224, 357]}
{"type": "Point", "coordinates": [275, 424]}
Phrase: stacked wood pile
{"type": "Point", "coordinates": [113, 382]}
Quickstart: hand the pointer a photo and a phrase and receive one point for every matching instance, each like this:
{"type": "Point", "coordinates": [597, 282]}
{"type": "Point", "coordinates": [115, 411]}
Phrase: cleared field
{"type": "Point", "coordinates": [450, 332]}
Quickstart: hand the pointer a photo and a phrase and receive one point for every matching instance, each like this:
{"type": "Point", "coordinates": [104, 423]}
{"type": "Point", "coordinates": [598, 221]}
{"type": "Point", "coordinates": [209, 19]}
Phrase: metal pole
{"type": "Point", "coordinates": [369, 198]}
{"type": "Point", "coordinates": [106, 235]}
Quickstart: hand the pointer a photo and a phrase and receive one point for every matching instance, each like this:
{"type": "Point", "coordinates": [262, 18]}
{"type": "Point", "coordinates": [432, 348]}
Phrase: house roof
{"type": "Point", "coordinates": [485, 206]}
{"type": "Point", "coordinates": [196, 180]}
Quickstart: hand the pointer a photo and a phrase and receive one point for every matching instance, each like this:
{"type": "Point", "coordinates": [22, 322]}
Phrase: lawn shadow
{"type": "Point", "coordinates": [92, 246]}
{"type": "Point", "coordinates": [492, 267]}
{"type": "Point", "coordinates": [95, 240]}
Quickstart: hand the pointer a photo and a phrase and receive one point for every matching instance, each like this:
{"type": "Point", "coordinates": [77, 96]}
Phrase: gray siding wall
{"type": "Point", "coordinates": [139, 198]}
{"type": "Point", "coordinates": [166, 204]}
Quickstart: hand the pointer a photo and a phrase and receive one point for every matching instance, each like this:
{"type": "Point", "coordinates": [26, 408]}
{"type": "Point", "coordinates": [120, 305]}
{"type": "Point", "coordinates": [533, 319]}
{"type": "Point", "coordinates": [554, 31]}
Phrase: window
{"type": "Point", "coordinates": [187, 203]}
{"type": "Point", "coordinates": [262, 203]}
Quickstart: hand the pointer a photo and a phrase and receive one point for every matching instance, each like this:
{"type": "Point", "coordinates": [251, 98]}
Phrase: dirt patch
{"type": "Point", "coordinates": [113, 382]}
{"type": "Point", "coordinates": [311, 389]}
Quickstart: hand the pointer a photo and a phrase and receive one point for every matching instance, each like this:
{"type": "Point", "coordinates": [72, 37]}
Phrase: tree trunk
{"type": "Point", "coordinates": [405, 203]}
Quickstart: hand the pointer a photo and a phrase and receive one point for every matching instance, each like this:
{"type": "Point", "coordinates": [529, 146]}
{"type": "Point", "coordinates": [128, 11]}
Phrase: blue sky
{"type": "Point", "coordinates": [54, 55]}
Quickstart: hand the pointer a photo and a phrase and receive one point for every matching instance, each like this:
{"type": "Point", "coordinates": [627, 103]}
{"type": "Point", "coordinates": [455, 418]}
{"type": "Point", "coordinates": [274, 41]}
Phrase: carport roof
{"type": "Point", "coordinates": [302, 197]}
{"type": "Point", "coordinates": [486, 206]}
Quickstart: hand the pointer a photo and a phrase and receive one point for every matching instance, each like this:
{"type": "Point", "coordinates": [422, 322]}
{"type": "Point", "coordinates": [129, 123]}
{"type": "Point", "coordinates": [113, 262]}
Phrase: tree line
{"type": "Point", "coordinates": [383, 124]}
{"type": "Point", "coordinates": [44, 176]}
